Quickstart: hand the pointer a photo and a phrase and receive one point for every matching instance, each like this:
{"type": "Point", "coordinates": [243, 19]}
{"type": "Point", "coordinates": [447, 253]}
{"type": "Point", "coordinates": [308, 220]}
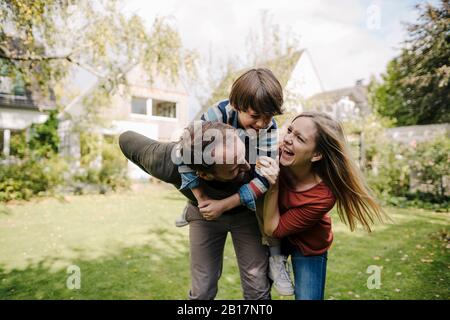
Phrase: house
{"type": "Point", "coordinates": [158, 109]}
{"type": "Point", "coordinates": [19, 109]}
{"type": "Point", "coordinates": [295, 71]}
{"type": "Point", "coordinates": [415, 134]}
{"type": "Point", "coordinates": [342, 104]}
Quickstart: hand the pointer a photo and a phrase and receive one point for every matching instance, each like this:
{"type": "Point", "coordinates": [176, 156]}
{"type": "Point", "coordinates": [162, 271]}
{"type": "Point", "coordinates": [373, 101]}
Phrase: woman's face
{"type": "Point", "coordinates": [299, 144]}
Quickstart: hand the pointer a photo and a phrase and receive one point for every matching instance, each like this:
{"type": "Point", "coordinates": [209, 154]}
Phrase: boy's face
{"type": "Point", "coordinates": [251, 119]}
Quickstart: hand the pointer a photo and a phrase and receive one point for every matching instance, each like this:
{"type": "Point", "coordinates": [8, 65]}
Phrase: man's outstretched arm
{"type": "Point", "coordinates": [152, 156]}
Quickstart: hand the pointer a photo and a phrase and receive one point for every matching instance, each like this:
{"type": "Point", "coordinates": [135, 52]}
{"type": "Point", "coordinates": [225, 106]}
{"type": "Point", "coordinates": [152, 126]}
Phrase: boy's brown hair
{"type": "Point", "coordinates": [258, 89]}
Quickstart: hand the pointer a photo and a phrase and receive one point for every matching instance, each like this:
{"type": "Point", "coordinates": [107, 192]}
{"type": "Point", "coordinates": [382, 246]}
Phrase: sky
{"type": "Point", "coordinates": [347, 39]}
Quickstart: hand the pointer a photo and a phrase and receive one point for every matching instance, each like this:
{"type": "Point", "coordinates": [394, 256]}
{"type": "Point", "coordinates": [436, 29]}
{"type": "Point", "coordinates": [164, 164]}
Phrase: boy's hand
{"type": "Point", "coordinates": [212, 209]}
{"type": "Point", "coordinates": [269, 169]}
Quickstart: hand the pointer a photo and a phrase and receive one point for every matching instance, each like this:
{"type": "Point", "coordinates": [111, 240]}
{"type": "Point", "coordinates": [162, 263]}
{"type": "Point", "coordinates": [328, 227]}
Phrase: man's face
{"type": "Point", "coordinates": [251, 119]}
{"type": "Point", "coordinates": [233, 165]}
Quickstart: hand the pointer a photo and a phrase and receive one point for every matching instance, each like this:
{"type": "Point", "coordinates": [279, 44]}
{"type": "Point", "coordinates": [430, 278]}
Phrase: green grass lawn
{"type": "Point", "coordinates": [127, 247]}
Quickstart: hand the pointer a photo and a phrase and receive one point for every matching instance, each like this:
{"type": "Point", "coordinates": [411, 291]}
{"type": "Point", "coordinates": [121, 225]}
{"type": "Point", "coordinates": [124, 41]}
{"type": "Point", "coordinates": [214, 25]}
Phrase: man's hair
{"type": "Point", "coordinates": [201, 135]}
{"type": "Point", "coordinates": [258, 89]}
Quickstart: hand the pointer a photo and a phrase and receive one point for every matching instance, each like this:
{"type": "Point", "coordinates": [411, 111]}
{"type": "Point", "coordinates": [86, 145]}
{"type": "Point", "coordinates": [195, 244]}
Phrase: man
{"type": "Point", "coordinates": [219, 180]}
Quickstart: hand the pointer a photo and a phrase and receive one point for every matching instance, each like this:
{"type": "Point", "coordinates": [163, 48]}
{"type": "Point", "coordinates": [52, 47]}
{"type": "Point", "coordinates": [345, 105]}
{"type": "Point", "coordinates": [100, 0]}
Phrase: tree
{"type": "Point", "coordinates": [416, 86]}
{"type": "Point", "coordinates": [42, 41]}
{"type": "Point", "coordinates": [267, 45]}
{"type": "Point", "coordinates": [44, 137]}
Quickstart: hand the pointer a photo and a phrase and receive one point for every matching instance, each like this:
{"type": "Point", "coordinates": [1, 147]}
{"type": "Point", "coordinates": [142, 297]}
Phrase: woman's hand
{"type": "Point", "coordinates": [269, 169]}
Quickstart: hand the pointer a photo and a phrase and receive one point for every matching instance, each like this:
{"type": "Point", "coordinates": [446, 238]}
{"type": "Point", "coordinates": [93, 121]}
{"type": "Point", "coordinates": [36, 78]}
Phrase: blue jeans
{"type": "Point", "coordinates": [309, 275]}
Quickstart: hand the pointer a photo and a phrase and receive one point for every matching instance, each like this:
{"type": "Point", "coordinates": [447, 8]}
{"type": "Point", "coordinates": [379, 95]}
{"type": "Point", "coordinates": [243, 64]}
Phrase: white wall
{"type": "Point", "coordinates": [303, 83]}
{"type": "Point", "coordinates": [168, 128]}
{"type": "Point", "coordinates": [17, 119]}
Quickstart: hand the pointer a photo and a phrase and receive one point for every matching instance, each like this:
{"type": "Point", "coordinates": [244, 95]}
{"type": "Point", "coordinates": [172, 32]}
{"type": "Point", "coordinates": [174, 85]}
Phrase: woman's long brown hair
{"type": "Point", "coordinates": [340, 173]}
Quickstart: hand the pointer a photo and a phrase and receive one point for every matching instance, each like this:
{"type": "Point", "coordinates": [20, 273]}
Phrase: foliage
{"type": "Point", "coordinates": [34, 167]}
{"type": "Point", "coordinates": [114, 167]}
{"type": "Point", "coordinates": [18, 145]}
{"type": "Point", "coordinates": [110, 172]}
{"type": "Point", "coordinates": [43, 42]}
{"type": "Point", "coordinates": [388, 172]}
{"type": "Point", "coordinates": [383, 163]}
{"type": "Point", "coordinates": [392, 168]}
{"type": "Point", "coordinates": [416, 86]}
{"type": "Point", "coordinates": [269, 46]}
{"type": "Point", "coordinates": [44, 139]}
{"type": "Point", "coordinates": [431, 161]}
{"type": "Point", "coordinates": [30, 177]}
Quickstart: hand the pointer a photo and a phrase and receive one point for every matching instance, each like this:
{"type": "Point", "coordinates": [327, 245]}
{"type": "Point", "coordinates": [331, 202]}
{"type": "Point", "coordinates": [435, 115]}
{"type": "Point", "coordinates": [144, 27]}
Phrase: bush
{"type": "Point", "coordinates": [404, 175]}
{"type": "Point", "coordinates": [112, 172]}
{"type": "Point", "coordinates": [34, 167]}
{"type": "Point", "coordinates": [30, 177]}
{"type": "Point", "coordinates": [431, 162]}
{"type": "Point", "coordinates": [413, 175]}
{"type": "Point", "coordinates": [388, 171]}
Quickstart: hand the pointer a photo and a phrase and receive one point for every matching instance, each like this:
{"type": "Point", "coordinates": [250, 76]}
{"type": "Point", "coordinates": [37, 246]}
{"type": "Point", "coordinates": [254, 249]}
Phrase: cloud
{"type": "Point", "coordinates": [335, 32]}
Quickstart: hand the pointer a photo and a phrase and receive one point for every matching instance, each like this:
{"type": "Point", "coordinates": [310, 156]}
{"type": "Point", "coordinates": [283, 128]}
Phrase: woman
{"type": "Point", "coordinates": [316, 171]}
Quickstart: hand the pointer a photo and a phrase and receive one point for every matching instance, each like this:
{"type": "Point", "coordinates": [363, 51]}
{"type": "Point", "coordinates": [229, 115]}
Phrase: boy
{"type": "Point", "coordinates": [255, 97]}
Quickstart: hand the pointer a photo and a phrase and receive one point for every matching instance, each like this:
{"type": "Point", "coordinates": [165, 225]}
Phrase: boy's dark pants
{"type": "Point", "coordinates": [207, 238]}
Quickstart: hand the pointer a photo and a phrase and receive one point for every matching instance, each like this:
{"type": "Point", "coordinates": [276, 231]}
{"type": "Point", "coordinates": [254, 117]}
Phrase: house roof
{"type": "Point", "coordinates": [15, 94]}
{"type": "Point", "coordinates": [27, 102]}
{"type": "Point", "coordinates": [136, 77]}
{"type": "Point", "coordinates": [357, 94]}
{"type": "Point", "coordinates": [282, 68]}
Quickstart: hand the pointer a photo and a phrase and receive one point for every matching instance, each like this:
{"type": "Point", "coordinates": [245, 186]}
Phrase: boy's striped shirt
{"type": "Point", "coordinates": [266, 144]}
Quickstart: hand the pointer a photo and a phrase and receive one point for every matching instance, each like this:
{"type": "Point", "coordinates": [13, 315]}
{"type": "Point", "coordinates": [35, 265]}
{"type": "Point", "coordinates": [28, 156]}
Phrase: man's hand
{"type": "Point", "coordinates": [212, 209]}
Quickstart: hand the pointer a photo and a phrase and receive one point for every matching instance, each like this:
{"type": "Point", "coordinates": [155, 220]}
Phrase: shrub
{"type": "Point", "coordinates": [112, 172]}
{"type": "Point", "coordinates": [30, 177]}
{"type": "Point", "coordinates": [431, 162]}
{"type": "Point", "coordinates": [404, 175]}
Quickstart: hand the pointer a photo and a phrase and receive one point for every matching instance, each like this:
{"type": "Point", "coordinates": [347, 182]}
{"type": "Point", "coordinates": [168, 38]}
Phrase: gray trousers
{"type": "Point", "coordinates": [207, 238]}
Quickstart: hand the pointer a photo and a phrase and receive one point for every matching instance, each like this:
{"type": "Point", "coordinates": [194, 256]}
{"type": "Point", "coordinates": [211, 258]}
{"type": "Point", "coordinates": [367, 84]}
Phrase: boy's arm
{"type": "Point", "coordinates": [190, 180]}
{"type": "Point", "coordinates": [199, 194]}
{"type": "Point", "coordinates": [250, 192]}
{"type": "Point", "coordinates": [213, 209]}
{"type": "Point", "coordinates": [247, 195]}
{"type": "Point", "coordinates": [267, 146]}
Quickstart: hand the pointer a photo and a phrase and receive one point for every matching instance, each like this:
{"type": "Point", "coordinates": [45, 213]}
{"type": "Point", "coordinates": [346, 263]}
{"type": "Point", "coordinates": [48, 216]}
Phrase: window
{"type": "Point", "coordinates": [139, 105]}
{"type": "Point", "coordinates": [164, 109]}
{"type": "Point", "coordinates": [6, 85]}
